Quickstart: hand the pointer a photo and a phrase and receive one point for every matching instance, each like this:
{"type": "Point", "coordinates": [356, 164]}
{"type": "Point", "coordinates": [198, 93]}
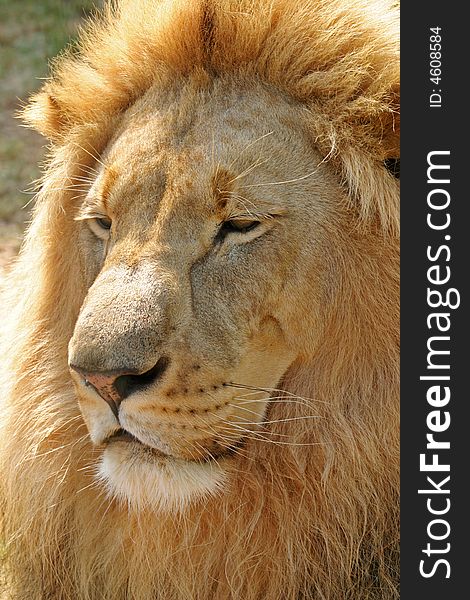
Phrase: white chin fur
{"type": "Point", "coordinates": [161, 484]}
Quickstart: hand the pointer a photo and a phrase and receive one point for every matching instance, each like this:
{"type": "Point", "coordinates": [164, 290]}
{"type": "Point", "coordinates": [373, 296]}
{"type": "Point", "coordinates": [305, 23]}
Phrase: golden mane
{"type": "Point", "coordinates": [322, 523]}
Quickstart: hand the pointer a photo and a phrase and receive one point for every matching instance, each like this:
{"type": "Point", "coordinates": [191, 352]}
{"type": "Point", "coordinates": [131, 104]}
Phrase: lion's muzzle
{"type": "Point", "coordinates": [155, 361]}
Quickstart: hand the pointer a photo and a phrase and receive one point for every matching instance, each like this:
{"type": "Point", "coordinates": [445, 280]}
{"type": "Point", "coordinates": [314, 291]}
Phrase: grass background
{"type": "Point", "coordinates": [32, 32]}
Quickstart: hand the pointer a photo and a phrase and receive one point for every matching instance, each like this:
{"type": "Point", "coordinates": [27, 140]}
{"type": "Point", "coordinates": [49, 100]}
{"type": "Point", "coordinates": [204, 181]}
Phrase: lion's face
{"type": "Point", "coordinates": [206, 241]}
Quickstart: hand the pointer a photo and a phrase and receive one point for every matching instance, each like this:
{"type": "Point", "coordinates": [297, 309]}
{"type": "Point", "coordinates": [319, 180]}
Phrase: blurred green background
{"type": "Point", "coordinates": [31, 33]}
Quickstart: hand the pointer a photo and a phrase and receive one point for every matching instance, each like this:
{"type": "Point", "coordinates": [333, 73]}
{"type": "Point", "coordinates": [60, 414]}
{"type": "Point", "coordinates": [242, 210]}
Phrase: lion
{"type": "Point", "coordinates": [200, 378]}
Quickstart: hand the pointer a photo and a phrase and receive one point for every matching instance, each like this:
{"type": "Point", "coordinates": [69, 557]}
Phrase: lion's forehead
{"type": "Point", "coordinates": [245, 140]}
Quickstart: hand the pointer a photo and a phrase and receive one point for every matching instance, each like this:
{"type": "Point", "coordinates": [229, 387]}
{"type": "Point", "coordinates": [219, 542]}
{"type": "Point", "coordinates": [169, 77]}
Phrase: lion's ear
{"type": "Point", "coordinates": [43, 114]}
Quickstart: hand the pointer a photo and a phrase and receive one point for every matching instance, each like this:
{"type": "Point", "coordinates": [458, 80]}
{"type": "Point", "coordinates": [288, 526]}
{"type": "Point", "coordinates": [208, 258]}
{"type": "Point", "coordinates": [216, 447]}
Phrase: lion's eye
{"type": "Point", "coordinates": [100, 226]}
{"type": "Point", "coordinates": [104, 222]}
{"type": "Point", "coordinates": [238, 226]}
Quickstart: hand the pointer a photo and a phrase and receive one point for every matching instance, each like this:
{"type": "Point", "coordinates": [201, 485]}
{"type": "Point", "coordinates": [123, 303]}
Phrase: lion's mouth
{"type": "Point", "coordinates": [121, 435]}
{"type": "Point", "coordinates": [124, 436]}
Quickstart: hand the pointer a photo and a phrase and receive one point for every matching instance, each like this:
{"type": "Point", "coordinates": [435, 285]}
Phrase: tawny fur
{"type": "Point", "coordinates": [294, 522]}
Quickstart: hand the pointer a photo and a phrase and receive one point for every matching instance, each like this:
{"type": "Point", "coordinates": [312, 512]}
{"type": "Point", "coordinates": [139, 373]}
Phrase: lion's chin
{"type": "Point", "coordinates": [146, 479]}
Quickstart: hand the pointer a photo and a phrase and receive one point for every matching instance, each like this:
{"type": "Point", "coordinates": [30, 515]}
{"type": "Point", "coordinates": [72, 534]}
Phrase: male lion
{"type": "Point", "coordinates": [202, 345]}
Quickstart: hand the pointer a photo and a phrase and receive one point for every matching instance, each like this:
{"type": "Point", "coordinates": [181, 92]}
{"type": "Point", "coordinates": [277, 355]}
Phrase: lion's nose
{"type": "Point", "coordinates": [117, 385]}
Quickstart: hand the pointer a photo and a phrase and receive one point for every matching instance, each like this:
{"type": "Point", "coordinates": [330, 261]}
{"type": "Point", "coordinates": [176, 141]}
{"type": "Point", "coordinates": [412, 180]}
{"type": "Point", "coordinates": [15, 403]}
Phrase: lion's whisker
{"type": "Point", "coordinates": [287, 181]}
{"type": "Point", "coordinates": [250, 433]}
{"type": "Point", "coordinates": [81, 177]}
{"type": "Point", "coordinates": [216, 433]}
{"type": "Point", "coordinates": [260, 435]}
{"type": "Point", "coordinates": [212, 431]}
{"type": "Point", "coordinates": [71, 188]}
{"type": "Point", "coordinates": [283, 392]}
{"type": "Point", "coordinates": [193, 456]}
{"type": "Point", "coordinates": [243, 408]}
{"type": "Point", "coordinates": [238, 196]}
{"type": "Point", "coordinates": [262, 423]}
{"type": "Point", "coordinates": [261, 137]}
{"type": "Point", "coordinates": [96, 158]}
{"type": "Point", "coordinates": [300, 418]}
{"type": "Point", "coordinates": [273, 400]}
{"type": "Point", "coordinates": [257, 163]}
{"type": "Point", "coordinates": [86, 166]}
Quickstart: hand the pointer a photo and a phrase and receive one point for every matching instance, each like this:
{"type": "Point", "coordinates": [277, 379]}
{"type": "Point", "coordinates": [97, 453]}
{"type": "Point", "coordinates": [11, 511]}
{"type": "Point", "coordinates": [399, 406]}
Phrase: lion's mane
{"type": "Point", "coordinates": [302, 523]}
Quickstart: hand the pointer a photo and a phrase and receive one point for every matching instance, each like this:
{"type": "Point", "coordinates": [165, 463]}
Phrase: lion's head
{"type": "Point", "coordinates": [215, 268]}
{"type": "Point", "coordinates": [210, 235]}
